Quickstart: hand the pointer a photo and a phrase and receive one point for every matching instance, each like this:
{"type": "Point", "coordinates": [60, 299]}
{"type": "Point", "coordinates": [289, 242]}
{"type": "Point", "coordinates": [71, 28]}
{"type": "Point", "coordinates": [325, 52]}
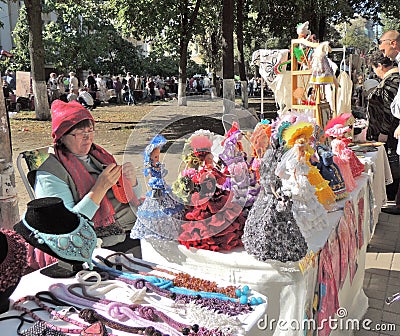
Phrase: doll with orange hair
{"type": "Point", "coordinates": [260, 140]}
{"type": "Point", "coordinates": [302, 132]}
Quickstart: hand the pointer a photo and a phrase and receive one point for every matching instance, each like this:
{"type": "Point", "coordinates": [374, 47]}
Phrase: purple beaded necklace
{"type": "Point", "coordinates": [18, 305]}
{"type": "Point", "coordinates": [116, 310]}
{"type": "Point", "coordinates": [89, 315]}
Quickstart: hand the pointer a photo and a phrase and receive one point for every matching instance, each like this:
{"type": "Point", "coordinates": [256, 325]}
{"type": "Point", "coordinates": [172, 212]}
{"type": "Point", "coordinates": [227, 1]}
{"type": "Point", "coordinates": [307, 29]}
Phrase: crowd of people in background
{"type": "Point", "coordinates": [91, 90]}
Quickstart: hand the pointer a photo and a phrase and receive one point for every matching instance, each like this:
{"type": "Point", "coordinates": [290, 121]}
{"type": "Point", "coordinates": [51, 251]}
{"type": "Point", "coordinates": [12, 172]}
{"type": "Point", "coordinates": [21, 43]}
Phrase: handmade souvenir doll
{"type": "Point", "coordinates": [259, 142]}
{"type": "Point", "coordinates": [271, 232]}
{"type": "Point", "coordinates": [331, 172]}
{"type": "Point", "coordinates": [347, 119]}
{"type": "Point", "coordinates": [293, 169]}
{"type": "Point", "coordinates": [301, 52]}
{"type": "Point", "coordinates": [214, 221]}
{"type": "Point", "coordinates": [238, 178]}
{"type": "Point", "coordinates": [326, 165]}
{"type": "Point", "coordinates": [348, 163]}
{"type": "Point", "coordinates": [304, 130]}
{"type": "Point", "coordinates": [184, 187]}
{"type": "Point", "coordinates": [321, 69]}
{"type": "Point", "coordinates": [160, 214]}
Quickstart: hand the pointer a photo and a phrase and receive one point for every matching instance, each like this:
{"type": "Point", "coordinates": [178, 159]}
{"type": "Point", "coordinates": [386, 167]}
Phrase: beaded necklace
{"type": "Point", "coordinates": [116, 310]}
{"type": "Point", "coordinates": [89, 315]}
{"type": "Point", "coordinates": [122, 311]}
{"type": "Point", "coordinates": [213, 304]}
{"type": "Point", "coordinates": [205, 316]}
{"type": "Point", "coordinates": [77, 245]}
{"type": "Point", "coordinates": [180, 279]}
{"type": "Point", "coordinates": [18, 305]}
{"type": "Point", "coordinates": [162, 283]}
{"type": "Point", "coordinates": [242, 295]}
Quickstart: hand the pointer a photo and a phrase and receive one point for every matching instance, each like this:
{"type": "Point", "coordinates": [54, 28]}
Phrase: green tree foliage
{"type": "Point", "coordinates": [20, 36]}
{"type": "Point", "coordinates": [82, 37]}
{"type": "Point", "coordinates": [355, 35]}
{"type": "Point", "coordinates": [210, 40]}
{"type": "Point", "coordinates": [169, 24]}
{"type": "Point", "coordinates": [390, 23]}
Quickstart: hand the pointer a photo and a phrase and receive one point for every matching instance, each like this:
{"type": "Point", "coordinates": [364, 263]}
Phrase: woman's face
{"type": "Point", "coordinates": [79, 140]}
{"type": "Point", "coordinates": [378, 70]}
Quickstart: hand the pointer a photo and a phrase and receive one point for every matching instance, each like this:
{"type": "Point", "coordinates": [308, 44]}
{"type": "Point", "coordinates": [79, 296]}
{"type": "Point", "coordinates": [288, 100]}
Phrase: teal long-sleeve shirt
{"type": "Point", "coordinates": [48, 185]}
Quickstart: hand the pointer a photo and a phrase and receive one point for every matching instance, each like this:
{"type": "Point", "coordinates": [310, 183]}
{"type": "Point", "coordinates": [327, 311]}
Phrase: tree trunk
{"type": "Point", "coordinates": [214, 52]}
{"type": "Point", "coordinates": [182, 72]}
{"type": "Point", "coordinates": [36, 51]}
{"type": "Point", "coordinates": [241, 61]}
{"type": "Point", "coordinates": [227, 57]}
{"type": "Point", "coordinates": [9, 214]}
{"type": "Point", "coordinates": [322, 28]}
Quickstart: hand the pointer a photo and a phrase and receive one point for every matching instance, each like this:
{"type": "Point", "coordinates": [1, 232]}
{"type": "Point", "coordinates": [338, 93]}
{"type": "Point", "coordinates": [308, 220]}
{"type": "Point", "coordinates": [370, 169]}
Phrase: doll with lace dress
{"type": "Point", "coordinates": [321, 69]}
{"type": "Point", "coordinates": [347, 119]}
{"type": "Point", "coordinates": [161, 213]}
{"type": "Point", "coordinates": [238, 180]}
{"type": "Point", "coordinates": [293, 169]}
{"type": "Point", "coordinates": [214, 222]}
{"type": "Point", "coordinates": [271, 232]}
{"type": "Point", "coordinates": [304, 130]}
{"type": "Point", "coordinates": [348, 163]}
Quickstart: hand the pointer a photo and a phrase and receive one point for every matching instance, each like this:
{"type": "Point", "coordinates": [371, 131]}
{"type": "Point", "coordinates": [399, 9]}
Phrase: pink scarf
{"type": "Point", "coordinates": [84, 181]}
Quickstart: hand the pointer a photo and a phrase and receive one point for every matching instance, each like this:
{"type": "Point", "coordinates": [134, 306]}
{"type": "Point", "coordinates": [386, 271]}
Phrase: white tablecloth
{"type": "Point", "coordinates": [378, 168]}
{"type": "Point", "coordinates": [290, 292]}
{"type": "Point", "coordinates": [35, 282]}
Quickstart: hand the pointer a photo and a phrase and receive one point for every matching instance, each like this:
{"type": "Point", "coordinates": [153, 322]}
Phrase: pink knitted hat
{"type": "Point", "coordinates": [65, 116]}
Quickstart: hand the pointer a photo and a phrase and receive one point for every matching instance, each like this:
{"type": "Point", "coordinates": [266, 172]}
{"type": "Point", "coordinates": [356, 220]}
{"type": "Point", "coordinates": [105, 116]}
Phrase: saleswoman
{"type": "Point", "coordinates": [87, 178]}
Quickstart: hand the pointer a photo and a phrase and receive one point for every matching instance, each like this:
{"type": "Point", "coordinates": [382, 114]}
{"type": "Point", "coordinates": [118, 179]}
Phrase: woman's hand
{"type": "Point", "coordinates": [108, 177]}
{"type": "Point", "coordinates": [128, 170]}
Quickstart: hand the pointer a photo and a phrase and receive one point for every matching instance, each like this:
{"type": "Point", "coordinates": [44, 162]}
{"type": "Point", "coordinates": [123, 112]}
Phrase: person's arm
{"type": "Point", "coordinates": [48, 185]}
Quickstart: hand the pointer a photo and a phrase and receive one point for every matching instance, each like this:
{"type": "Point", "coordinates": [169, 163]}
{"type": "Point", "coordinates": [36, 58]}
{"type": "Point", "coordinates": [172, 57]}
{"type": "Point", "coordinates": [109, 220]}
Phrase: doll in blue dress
{"type": "Point", "coordinates": [161, 213]}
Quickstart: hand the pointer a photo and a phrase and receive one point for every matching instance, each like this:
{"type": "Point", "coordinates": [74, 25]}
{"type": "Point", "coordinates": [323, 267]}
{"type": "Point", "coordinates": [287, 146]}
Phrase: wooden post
{"type": "Point", "coordinates": [8, 196]}
{"type": "Point", "coordinates": [262, 98]}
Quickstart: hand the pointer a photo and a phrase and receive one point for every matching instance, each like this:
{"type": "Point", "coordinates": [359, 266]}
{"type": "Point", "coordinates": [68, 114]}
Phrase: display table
{"type": "Point", "coordinates": [378, 168]}
{"type": "Point", "coordinates": [35, 282]}
{"type": "Point", "coordinates": [289, 290]}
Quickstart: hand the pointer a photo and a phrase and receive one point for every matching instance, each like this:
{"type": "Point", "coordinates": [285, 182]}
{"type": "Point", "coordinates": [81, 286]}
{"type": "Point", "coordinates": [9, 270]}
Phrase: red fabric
{"type": "Point", "coordinates": [234, 128]}
{"type": "Point", "coordinates": [213, 225]}
{"type": "Point", "coordinates": [84, 181]}
{"type": "Point", "coordinates": [65, 116]}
